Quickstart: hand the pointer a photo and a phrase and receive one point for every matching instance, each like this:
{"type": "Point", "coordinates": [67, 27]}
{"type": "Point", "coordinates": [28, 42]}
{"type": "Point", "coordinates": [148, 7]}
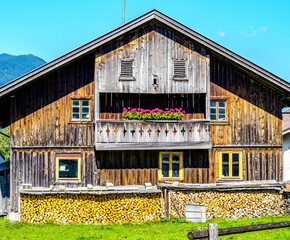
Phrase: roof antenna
{"type": "Point", "coordinates": [123, 11]}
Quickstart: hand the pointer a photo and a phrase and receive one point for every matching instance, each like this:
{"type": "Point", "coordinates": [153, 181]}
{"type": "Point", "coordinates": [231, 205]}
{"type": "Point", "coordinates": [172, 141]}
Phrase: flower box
{"type": "Point", "coordinates": [153, 114]}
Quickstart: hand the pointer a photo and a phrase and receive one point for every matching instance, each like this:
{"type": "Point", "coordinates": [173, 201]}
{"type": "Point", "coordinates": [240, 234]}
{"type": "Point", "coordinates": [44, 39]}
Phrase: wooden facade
{"type": "Point", "coordinates": [127, 152]}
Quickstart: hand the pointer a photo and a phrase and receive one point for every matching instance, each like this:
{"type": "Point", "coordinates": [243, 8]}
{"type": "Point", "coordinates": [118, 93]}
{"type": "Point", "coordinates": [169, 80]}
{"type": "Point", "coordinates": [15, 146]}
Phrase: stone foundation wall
{"type": "Point", "coordinates": [88, 208]}
{"type": "Point", "coordinates": [231, 204]}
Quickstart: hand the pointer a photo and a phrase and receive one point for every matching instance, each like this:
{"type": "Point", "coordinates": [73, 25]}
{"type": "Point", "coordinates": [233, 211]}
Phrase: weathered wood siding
{"type": "Point", "coordinates": [139, 167]}
{"type": "Point", "coordinates": [41, 112]}
{"type": "Point", "coordinates": [258, 163]}
{"type": "Point", "coordinates": [41, 124]}
{"type": "Point", "coordinates": [254, 111]}
{"type": "Point", "coordinates": [153, 49]}
{"type": "Point", "coordinates": [254, 122]}
{"type": "Point", "coordinates": [38, 167]}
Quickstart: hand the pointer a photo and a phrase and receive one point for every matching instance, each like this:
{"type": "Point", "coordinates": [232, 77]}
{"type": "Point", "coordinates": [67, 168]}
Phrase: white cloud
{"type": "Point", "coordinates": [252, 33]}
{"type": "Point", "coordinates": [263, 29]}
{"type": "Point", "coordinates": [221, 33]}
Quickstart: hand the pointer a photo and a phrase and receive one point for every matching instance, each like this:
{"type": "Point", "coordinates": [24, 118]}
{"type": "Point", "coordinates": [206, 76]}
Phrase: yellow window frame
{"type": "Point", "coordinates": [68, 179]}
{"type": "Point", "coordinates": [240, 177]}
{"type": "Point", "coordinates": [170, 166]}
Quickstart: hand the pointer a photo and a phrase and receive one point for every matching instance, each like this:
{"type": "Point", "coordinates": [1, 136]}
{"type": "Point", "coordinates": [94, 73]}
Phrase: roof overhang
{"type": "Point", "coordinates": [277, 83]}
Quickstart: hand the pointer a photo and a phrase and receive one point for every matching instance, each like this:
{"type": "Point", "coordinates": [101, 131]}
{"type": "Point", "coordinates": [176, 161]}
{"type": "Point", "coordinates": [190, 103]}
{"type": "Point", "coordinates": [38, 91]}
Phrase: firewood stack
{"type": "Point", "coordinates": [90, 208]}
{"type": "Point", "coordinates": [231, 204]}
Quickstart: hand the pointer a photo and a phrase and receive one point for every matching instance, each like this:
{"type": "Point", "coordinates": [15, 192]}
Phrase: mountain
{"type": "Point", "coordinates": [12, 67]}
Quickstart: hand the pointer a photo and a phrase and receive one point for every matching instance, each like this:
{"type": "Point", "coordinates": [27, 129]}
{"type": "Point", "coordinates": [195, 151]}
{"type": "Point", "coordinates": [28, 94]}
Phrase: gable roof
{"type": "Point", "coordinates": [270, 79]}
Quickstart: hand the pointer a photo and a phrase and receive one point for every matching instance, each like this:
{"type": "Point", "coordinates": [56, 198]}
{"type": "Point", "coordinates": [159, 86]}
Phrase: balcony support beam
{"type": "Point", "coordinates": [152, 146]}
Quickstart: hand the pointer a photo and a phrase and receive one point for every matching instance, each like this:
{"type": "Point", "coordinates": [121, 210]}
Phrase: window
{"type": "Point", "coordinates": [179, 69]}
{"type": "Point", "coordinates": [68, 167]}
{"type": "Point", "coordinates": [126, 72]}
{"type": "Point", "coordinates": [230, 165]}
{"type": "Point", "coordinates": [170, 165]}
{"type": "Point", "coordinates": [218, 110]}
{"type": "Point", "coordinates": [80, 109]}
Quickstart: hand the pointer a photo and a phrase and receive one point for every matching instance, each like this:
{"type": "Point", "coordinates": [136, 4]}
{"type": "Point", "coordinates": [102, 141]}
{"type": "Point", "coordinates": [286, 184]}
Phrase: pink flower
{"type": "Point", "coordinates": [129, 108]}
{"type": "Point", "coordinates": [183, 112]}
{"type": "Point", "coordinates": [166, 109]}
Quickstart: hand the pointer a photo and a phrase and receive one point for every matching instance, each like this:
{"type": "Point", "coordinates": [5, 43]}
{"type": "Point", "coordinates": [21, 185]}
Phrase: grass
{"type": "Point", "coordinates": [164, 229]}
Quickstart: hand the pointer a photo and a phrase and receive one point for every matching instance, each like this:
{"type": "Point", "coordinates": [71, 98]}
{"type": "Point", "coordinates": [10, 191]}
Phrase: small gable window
{"type": "Point", "coordinates": [218, 110]}
{"type": "Point", "coordinates": [126, 72]}
{"type": "Point", "coordinates": [81, 109]}
{"type": "Point", "coordinates": [179, 70]}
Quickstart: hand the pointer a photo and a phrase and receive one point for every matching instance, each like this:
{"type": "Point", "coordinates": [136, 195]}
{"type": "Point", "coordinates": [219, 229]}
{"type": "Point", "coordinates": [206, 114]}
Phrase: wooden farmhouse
{"type": "Point", "coordinates": [75, 158]}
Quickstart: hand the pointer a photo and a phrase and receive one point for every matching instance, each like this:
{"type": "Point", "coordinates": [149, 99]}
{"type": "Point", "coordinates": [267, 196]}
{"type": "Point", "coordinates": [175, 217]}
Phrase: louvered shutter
{"type": "Point", "coordinates": [179, 69]}
{"type": "Point", "coordinates": [126, 69]}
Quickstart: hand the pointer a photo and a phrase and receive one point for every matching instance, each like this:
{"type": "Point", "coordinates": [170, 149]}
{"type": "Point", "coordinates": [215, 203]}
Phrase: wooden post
{"type": "Point", "coordinates": [165, 202]}
{"type": "Point", "coordinates": [213, 231]}
{"type": "Point", "coordinates": [168, 211]}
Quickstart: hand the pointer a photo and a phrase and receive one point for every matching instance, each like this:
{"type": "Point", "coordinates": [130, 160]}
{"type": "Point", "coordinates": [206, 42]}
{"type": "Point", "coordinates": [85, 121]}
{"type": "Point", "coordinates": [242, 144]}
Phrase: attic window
{"type": "Point", "coordinates": [179, 70]}
{"type": "Point", "coordinates": [126, 72]}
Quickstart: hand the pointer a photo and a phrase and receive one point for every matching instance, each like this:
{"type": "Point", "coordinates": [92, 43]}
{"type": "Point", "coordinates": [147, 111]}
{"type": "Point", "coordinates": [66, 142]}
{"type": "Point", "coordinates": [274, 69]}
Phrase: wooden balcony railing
{"type": "Point", "coordinates": [124, 134]}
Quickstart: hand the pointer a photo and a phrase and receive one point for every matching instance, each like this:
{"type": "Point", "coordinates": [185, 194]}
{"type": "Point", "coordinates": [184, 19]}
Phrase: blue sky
{"type": "Point", "coordinates": [255, 29]}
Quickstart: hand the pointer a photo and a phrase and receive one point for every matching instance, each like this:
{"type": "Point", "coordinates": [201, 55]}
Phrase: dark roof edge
{"type": "Point", "coordinates": [153, 14]}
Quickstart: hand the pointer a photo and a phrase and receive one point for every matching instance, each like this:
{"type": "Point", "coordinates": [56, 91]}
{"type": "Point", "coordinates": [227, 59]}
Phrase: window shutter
{"type": "Point", "coordinates": [126, 69]}
{"type": "Point", "coordinates": [179, 69]}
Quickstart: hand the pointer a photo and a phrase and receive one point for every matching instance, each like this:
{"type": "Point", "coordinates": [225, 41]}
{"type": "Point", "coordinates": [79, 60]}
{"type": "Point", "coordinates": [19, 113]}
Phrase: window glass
{"type": "Point", "coordinates": [85, 103]}
{"type": "Point", "coordinates": [225, 164]}
{"type": "Point", "coordinates": [68, 168]}
{"type": "Point", "coordinates": [212, 103]}
{"type": "Point", "coordinates": [165, 165]}
{"type": "Point", "coordinates": [175, 165]}
{"type": "Point", "coordinates": [222, 104]}
{"type": "Point", "coordinates": [76, 102]}
{"type": "Point", "coordinates": [235, 163]}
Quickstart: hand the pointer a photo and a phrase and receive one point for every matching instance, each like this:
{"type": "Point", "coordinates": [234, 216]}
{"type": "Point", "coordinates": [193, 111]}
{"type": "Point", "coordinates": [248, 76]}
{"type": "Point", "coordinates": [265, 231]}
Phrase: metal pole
{"type": "Point", "coordinates": [124, 11]}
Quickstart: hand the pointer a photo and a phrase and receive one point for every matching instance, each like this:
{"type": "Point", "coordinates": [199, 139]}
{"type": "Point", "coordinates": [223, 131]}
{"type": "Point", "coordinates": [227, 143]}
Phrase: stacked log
{"type": "Point", "coordinates": [89, 208]}
{"type": "Point", "coordinates": [231, 204]}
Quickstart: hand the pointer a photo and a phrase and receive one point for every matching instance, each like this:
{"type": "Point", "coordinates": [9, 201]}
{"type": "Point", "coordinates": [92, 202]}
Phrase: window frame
{"type": "Point", "coordinates": [68, 179]}
{"type": "Point", "coordinates": [230, 177]}
{"type": "Point", "coordinates": [217, 101]}
{"type": "Point", "coordinates": [80, 99]}
{"type": "Point", "coordinates": [170, 166]}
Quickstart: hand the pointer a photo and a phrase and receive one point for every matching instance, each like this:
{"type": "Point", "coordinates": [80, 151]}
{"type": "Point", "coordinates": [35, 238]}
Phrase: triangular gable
{"type": "Point", "coordinates": [270, 79]}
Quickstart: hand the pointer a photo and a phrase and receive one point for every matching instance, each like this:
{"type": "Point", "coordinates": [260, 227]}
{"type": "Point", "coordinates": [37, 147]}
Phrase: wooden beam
{"type": "Point", "coordinates": [236, 230]}
{"type": "Point", "coordinates": [152, 146]}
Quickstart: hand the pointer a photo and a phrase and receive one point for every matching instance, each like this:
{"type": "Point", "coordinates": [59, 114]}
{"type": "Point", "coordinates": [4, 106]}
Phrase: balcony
{"type": "Point", "coordinates": [164, 134]}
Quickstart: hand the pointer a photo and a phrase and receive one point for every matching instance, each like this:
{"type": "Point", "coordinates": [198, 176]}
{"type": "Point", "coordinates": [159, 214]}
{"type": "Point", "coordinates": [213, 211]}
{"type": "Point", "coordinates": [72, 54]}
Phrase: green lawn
{"type": "Point", "coordinates": [164, 229]}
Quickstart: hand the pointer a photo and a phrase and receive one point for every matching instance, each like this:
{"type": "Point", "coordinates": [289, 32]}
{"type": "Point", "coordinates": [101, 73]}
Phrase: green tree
{"type": "Point", "coordinates": [5, 143]}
